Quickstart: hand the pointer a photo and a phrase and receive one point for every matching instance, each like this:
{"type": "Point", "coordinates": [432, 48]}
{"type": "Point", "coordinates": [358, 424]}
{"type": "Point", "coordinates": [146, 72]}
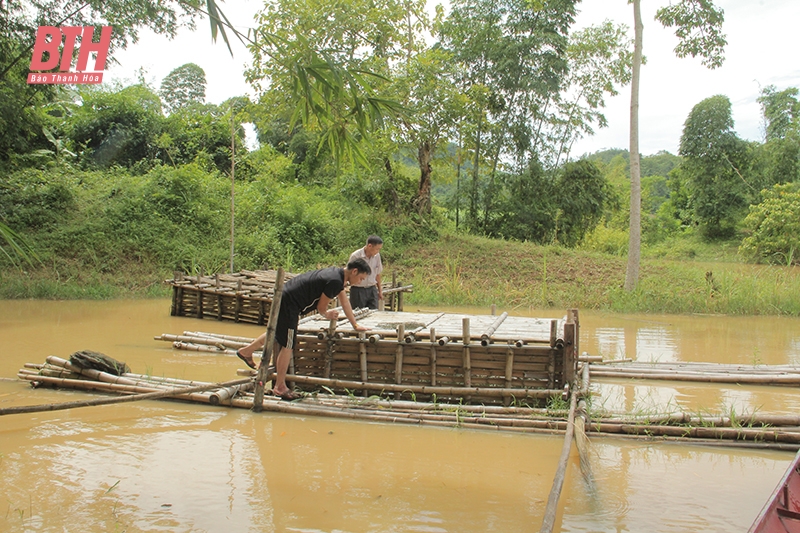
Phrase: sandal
{"type": "Point", "coordinates": [287, 396]}
{"type": "Point", "coordinates": [249, 363]}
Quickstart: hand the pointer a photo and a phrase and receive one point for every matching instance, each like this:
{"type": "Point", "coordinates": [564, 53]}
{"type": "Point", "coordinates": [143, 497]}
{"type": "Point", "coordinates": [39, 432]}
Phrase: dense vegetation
{"type": "Point", "coordinates": [104, 191]}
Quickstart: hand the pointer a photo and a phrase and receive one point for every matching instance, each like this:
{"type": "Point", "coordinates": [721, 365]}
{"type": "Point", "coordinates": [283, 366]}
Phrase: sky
{"type": "Point", "coordinates": [762, 50]}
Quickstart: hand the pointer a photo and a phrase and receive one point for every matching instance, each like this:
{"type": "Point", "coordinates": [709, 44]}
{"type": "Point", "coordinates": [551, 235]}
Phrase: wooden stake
{"type": "Point", "coordinates": [258, 397]}
{"type": "Point", "coordinates": [433, 357]}
{"type": "Point", "coordinates": [555, 492]}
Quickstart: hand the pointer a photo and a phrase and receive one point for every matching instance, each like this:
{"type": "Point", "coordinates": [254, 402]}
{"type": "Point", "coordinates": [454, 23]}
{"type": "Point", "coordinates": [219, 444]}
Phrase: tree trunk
{"type": "Point", "coordinates": [423, 201]}
{"type": "Point", "coordinates": [635, 240]}
{"type": "Point", "coordinates": [390, 193]}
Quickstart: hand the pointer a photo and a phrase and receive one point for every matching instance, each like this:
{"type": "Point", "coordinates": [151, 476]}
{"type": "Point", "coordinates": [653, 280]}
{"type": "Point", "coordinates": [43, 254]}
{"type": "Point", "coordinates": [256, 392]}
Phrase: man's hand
{"type": "Point", "coordinates": [332, 314]}
{"type": "Point", "coordinates": [359, 327]}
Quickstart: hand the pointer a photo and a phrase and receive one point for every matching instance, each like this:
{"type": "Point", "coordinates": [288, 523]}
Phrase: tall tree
{"type": "Point", "coordinates": [698, 26]}
{"type": "Point", "coordinates": [512, 59]}
{"type": "Point", "coordinates": [182, 87]}
{"type": "Point", "coordinates": [714, 161]}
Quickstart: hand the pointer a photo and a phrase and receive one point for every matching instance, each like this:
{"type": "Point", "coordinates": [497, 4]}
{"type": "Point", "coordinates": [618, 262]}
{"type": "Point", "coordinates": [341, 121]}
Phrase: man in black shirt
{"type": "Point", "coordinates": [301, 294]}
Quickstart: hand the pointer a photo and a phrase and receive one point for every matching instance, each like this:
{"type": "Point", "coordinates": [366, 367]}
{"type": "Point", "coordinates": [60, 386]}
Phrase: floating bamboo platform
{"type": "Point", "coordinates": [444, 357]}
{"type": "Point", "coordinates": [245, 296]}
{"type": "Point", "coordinates": [757, 430]}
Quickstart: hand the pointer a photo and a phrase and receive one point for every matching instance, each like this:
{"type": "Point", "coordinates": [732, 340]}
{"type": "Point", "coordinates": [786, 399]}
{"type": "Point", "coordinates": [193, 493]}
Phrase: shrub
{"type": "Point", "coordinates": [775, 226]}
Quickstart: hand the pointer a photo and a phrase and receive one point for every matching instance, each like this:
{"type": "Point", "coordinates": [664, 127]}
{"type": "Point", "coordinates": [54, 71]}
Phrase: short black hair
{"type": "Point", "coordinates": [360, 265]}
{"type": "Point", "coordinates": [374, 240]}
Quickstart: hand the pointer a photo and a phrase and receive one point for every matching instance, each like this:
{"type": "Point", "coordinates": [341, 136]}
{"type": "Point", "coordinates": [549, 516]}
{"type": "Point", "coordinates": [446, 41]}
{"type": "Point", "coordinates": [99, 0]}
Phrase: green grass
{"type": "Point", "coordinates": [468, 270]}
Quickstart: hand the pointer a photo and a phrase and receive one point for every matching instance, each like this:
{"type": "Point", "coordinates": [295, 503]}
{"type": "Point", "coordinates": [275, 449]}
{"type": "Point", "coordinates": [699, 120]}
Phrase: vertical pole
{"type": "Point", "coordinates": [433, 357]}
{"type": "Point", "coordinates": [238, 307]}
{"type": "Point", "coordinates": [551, 367]}
{"type": "Point", "coordinates": [509, 372]}
{"type": "Point", "coordinates": [330, 349]}
{"type": "Point", "coordinates": [398, 361]}
{"type": "Point", "coordinates": [233, 183]}
{"type": "Point", "coordinates": [570, 358]}
{"type": "Point", "coordinates": [467, 362]}
{"type": "Point", "coordinates": [362, 354]}
{"type": "Point", "coordinates": [258, 399]}
{"type": "Point", "coordinates": [393, 296]}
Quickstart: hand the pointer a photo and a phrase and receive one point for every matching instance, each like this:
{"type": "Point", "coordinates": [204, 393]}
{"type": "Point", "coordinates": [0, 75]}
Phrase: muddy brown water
{"type": "Point", "coordinates": [178, 467]}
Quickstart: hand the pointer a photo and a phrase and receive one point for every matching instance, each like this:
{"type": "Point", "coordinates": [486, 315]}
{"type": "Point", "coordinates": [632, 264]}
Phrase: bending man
{"type": "Point", "coordinates": [301, 294]}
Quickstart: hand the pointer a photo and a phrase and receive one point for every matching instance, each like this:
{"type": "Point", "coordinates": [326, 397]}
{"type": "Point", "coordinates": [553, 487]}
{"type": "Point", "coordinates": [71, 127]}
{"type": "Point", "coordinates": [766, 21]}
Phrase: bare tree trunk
{"type": "Point", "coordinates": [390, 194]}
{"type": "Point", "coordinates": [423, 201]}
{"type": "Point", "coordinates": [635, 241]}
{"type": "Point", "coordinates": [233, 183]}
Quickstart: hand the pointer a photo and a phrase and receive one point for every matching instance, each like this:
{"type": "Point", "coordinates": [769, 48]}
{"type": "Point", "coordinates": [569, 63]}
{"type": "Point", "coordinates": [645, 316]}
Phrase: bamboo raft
{"type": "Point", "coordinates": [442, 357]}
{"type": "Point", "coordinates": [245, 296]}
{"type": "Point", "coordinates": [758, 430]}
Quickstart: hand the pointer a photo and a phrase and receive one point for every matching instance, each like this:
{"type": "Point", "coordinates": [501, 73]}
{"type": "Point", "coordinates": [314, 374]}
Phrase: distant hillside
{"type": "Point", "coordinates": [659, 164]}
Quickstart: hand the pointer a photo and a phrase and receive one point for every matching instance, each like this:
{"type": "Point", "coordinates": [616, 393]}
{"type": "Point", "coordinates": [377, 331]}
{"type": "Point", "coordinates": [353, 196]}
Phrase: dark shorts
{"type": "Point", "coordinates": [364, 297]}
{"type": "Point", "coordinates": [286, 328]}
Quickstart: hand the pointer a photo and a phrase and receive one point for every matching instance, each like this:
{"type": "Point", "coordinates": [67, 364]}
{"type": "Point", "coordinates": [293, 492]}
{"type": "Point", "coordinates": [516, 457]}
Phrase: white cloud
{"type": "Point", "coordinates": [762, 44]}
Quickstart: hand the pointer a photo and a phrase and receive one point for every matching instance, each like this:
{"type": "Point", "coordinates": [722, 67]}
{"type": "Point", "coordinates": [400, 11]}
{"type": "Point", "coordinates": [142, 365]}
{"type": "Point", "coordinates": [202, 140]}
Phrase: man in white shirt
{"type": "Point", "coordinates": [367, 293]}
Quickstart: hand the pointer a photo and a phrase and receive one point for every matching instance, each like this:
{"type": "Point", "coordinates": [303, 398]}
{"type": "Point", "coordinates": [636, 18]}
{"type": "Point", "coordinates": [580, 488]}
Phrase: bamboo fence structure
{"type": "Point", "coordinates": [442, 357]}
{"type": "Point", "coordinates": [245, 296]}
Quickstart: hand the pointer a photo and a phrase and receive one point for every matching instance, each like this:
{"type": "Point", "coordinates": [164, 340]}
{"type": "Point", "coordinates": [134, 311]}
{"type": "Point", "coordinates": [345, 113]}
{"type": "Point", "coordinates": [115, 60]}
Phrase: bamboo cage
{"type": "Point", "coordinates": [444, 357]}
{"type": "Point", "coordinates": [245, 296]}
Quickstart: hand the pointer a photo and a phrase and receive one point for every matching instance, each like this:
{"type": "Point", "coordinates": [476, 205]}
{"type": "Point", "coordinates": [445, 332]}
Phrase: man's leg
{"type": "Point", "coordinates": [372, 298]}
{"type": "Point", "coordinates": [281, 367]}
{"type": "Point", "coordinates": [246, 353]}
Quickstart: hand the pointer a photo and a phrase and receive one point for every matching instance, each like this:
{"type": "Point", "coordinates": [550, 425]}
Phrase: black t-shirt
{"type": "Point", "coordinates": [303, 291]}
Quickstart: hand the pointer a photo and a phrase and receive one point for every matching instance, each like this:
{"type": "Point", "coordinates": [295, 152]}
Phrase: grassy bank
{"type": "Point", "coordinates": [466, 270]}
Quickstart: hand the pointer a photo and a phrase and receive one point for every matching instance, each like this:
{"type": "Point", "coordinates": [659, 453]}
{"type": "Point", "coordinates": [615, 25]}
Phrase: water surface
{"type": "Point", "coordinates": [172, 466]}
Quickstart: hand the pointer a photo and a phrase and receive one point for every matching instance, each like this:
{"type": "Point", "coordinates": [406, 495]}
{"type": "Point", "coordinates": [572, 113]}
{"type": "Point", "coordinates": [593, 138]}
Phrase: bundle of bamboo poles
{"type": "Point", "coordinates": [700, 372]}
{"type": "Point", "coordinates": [57, 372]}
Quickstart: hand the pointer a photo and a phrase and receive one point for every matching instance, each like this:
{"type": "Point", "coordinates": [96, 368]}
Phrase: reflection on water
{"type": "Point", "coordinates": [171, 466]}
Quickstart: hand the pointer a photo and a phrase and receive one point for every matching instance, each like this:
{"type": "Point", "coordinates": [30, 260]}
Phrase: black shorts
{"type": "Point", "coordinates": [286, 328]}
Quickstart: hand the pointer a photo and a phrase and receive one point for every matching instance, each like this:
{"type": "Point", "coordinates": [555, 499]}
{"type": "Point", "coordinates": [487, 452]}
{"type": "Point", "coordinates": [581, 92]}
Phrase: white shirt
{"type": "Point", "coordinates": [374, 263]}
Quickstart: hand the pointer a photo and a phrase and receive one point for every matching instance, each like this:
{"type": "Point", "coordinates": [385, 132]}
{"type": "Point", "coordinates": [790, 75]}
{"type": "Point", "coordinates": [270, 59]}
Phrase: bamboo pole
{"type": "Point", "coordinates": [509, 373]}
{"type": "Point", "coordinates": [558, 482]}
{"type": "Point", "coordinates": [433, 356]}
{"type": "Point", "coordinates": [486, 337]}
{"type": "Point", "coordinates": [106, 401]}
{"type": "Point", "coordinates": [425, 389]}
{"type": "Point", "coordinates": [467, 361]}
{"type": "Point", "coordinates": [330, 347]}
{"type": "Point", "coordinates": [581, 440]}
{"type": "Point", "coordinates": [362, 359]}
{"type": "Point", "coordinates": [780, 379]}
{"type": "Point", "coordinates": [398, 368]}
{"type": "Point", "coordinates": [411, 336]}
{"type": "Point", "coordinates": [272, 321]}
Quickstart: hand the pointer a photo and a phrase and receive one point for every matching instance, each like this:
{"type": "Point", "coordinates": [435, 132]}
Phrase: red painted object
{"type": "Point", "coordinates": [781, 514]}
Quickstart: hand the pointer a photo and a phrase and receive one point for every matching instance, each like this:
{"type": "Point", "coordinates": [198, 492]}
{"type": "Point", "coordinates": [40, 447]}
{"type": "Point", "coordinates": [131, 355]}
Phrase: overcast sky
{"type": "Point", "coordinates": [762, 50]}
